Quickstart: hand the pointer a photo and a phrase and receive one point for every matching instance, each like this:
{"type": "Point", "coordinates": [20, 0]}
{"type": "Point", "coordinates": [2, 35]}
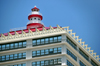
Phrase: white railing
{"type": "Point", "coordinates": [15, 29]}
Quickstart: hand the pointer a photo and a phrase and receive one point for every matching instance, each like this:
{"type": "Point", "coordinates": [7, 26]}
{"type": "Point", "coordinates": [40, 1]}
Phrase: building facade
{"type": "Point", "coordinates": [38, 45]}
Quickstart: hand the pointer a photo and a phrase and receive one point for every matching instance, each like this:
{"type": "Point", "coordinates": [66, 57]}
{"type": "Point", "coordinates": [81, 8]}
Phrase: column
{"type": "Point", "coordinates": [63, 38]}
{"type": "Point", "coordinates": [63, 49]}
{"type": "Point", "coordinates": [77, 56]}
{"type": "Point", "coordinates": [28, 63]}
{"type": "Point", "coordinates": [63, 60]}
{"type": "Point", "coordinates": [29, 52]}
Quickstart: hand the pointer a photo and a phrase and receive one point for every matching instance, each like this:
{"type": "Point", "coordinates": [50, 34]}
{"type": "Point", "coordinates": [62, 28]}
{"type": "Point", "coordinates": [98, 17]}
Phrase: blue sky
{"type": "Point", "coordinates": [83, 16]}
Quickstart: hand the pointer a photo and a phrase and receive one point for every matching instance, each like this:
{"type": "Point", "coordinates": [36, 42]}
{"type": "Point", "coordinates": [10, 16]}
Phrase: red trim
{"type": "Point", "coordinates": [34, 25]}
{"type": "Point", "coordinates": [34, 15]}
{"type": "Point", "coordinates": [35, 8]}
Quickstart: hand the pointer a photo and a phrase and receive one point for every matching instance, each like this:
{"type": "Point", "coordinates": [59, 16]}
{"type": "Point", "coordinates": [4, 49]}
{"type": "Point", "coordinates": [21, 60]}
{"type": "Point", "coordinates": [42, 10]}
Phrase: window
{"type": "Point", "coordinates": [93, 63]}
{"type": "Point", "coordinates": [83, 54]}
{"type": "Point", "coordinates": [81, 63]}
{"type": "Point", "coordinates": [72, 55]}
{"type": "Point", "coordinates": [71, 43]}
{"type": "Point", "coordinates": [38, 18]}
{"type": "Point", "coordinates": [47, 62]}
{"type": "Point", "coordinates": [11, 46]}
{"type": "Point", "coordinates": [19, 64]}
{"type": "Point", "coordinates": [69, 63]}
{"type": "Point", "coordinates": [46, 52]}
{"type": "Point", "coordinates": [12, 57]}
{"type": "Point", "coordinates": [47, 40]}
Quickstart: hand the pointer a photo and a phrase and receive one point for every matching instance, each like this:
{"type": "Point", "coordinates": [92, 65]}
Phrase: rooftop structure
{"type": "Point", "coordinates": [38, 45]}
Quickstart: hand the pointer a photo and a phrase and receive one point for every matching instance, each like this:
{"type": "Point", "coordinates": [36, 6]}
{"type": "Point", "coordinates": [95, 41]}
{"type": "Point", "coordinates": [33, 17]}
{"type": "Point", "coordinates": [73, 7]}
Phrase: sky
{"type": "Point", "coordinates": [82, 16]}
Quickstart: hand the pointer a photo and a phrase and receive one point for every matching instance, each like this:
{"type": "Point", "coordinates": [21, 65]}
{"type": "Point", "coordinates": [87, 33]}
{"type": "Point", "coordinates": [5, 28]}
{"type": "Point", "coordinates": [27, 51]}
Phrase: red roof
{"type": "Point", "coordinates": [35, 8]}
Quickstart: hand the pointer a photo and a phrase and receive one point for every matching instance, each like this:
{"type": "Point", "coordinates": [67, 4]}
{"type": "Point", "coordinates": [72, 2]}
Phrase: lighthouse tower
{"type": "Point", "coordinates": [35, 19]}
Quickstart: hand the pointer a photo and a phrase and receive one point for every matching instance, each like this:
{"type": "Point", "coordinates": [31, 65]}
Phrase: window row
{"type": "Point", "coordinates": [81, 63]}
{"type": "Point", "coordinates": [47, 40]}
{"type": "Point", "coordinates": [84, 55]}
{"type": "Point", "coordinates": [47, 62]}
{"type": "Point", "coordinates": [72, 44]}
{"type": "Point", "coordinates": [12, 57]}
{"type": "Point", "coordinates": [46, 52]}
{"type": "Point", "coordinates": [72, 55]}
{"type": "Point", "coordinates": [93, 63]}
{"type": "Point", "coordinates": [69, 63]}
{"type": "Point", "coordinates": [19, 64]}
{"type": "Point", "coordinates": [13, 46]}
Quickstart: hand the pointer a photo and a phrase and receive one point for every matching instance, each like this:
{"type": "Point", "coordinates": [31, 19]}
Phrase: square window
{"type": "Point", "coordinates": [11, 57]}
{"type": "Point", "coordinates": [24, 55]}
{"type": "Point", "coordinates": [38, 52]}
{"type": "Point", "coordinates": [24, 64]}
{"type": "Point", "coordinates": [42, 52]}
{"type": "Point", "coordinates": [15, 65]}
{"type": "Point", "coordinates": [0, 58]}
{"type": "Point", "coordinates": [51, 40]}
{"type": "Point", "coordinates": [19, 64]}
{"type": "Point", "coordinates": [42, 41]}
{"type": "Point", "coordinates": [59, 60]}
{"type": "Point", "coordinates": [7, 57]}
{"type": "Point", "coordinates": [16, 45]}
{"type": "Point", "coordinates": [20, 55]}
{"type": "Point", "coordinates": [50, 51]}
{"type": "Point", "coordinates": [34, 64]}
{"type": "Point", "coordinates": [46, 51]}
{"type": "Point", "coordinates": [34, 42]}
{"type": "Point", "coordinates": [55, 39]}
{"type": "Point", "coordinates": [55, 50]}
{"type": "Point", "coordinates": [55, 61]}
{"type": "Point", "coordinates": [59, 38]}
{"type": "Point", "coordinates": [46, 40]}
{"type": "Point", "coordinates": [15, 56]}
{"type": "Point", "coordinates": [42, 63]}
{"type": "Point", "coordinates": [34, 53]}
{"type": "Point", "coordinates": [38, 42]}
{"type": "Point", "coordinates": [3, 47]}
{"type": "Point", "coordinates": [51, 62]}
{"type": "Point", "coordinates": [46, 62]}
{"type": "Point", "coordinates": [0, 47]}
{"type": "Point", "coordinates": [59, 49]}
{"type": "Point", "coordinates": [20, 44]}
{"type": "Point", "coordinates": [7, 46]}
{"type": "Point", "coordinates": [12, 46]}
{"type": "Point", "coordinates": [24, 44]}
{"type": "Point", "coordinates": [3, 58]}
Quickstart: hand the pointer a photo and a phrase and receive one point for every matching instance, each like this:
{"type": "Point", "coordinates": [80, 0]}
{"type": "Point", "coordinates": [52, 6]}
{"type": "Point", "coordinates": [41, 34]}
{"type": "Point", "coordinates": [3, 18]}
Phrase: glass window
{"type": "Point", "coordinates": [7, 46]}
{"type": "Point", "coordinates": [50, 51]}
{"type": "Point", "coordinates": [24, 44]}
{"type": "Point", "coordinates": [3, 47]}
{"type": "Point", "coordinates": [69, 63]}
{"type": "Point", "coordinates": [34, 53]}
{"type": "Point", "coordinates": [12, 46]}
{"type": "Point", "coordinates": [24, 64]}
{"type": "Point", "coordinates": [34, 42]}
{"type": "Point", "coordinates": [59, 38]}
{"type": "Point", "coordinates": [24, 55]}
{"type": "Point", "coordinates": [55, 61]}
{"type": "Point", "coordinates": [19, 64]}
{"type": "Point", "coordinates": [38, 63]}
{"type": "Point", "coordinates": [46, 51]}
{"type": "Point", "coordinates": [46, 62]}
{"type": "Point", "coordinates": [42, 52]}
{"type": "Point", "coordinates": [55, 50]}
{"type": "Point", "coordinates": [11, 57]}
{"type": "Point", "coordinates": [38, 41]}
{"type": "Point", "coordinates": [7, 57]}
{"type": "Point", "coordinates": [20, 44]}
{"type": "Point", "coordinates": [51, 62]}
{"type": "Point", "coordinates": [55, 39]}
{"type": "Point", "coordinates": [42, 41]}
{"type": "Point", "coordinates": [3, 58]}
{"type": "Point", "coordinates": [42, 63]}
{"type": "Point", "coordinates": [16, 45]}
{"type": "Point", "coordinates": [59, 60]}
{"type": "Point", "coordinates": [59, 49]}
{"type": "Point", "coordinates": [20, 55]}
{"type": "Point", "coordinates": [93, 63]}
{"type": "Point", "coordinates": [46, 40]}
{"type": "Point", "coordinates": [0, 58]}
{"type": "Point", "coordinates": [15, 56]}
{"type": "Point", "coordinates": [0, 47]}
{"type": "Point", "coordinates": [34, 64]}
{"type": "Point", "coordinates": [15, 65]}
{"type": "Point", "coordinates": [38, 52]}
{"type": "Point", "coordinates": [81, 63]}
{"type": "Point", "coordinates": [51, 40]}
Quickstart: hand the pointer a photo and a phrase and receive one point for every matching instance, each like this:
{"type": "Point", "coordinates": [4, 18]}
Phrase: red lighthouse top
{"type": "Point", "coordinates": [35, 19]}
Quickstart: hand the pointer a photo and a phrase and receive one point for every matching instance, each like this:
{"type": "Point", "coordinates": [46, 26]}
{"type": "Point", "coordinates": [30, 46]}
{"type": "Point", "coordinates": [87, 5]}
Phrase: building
{"type": "Point", "coordinates": [38, 45]}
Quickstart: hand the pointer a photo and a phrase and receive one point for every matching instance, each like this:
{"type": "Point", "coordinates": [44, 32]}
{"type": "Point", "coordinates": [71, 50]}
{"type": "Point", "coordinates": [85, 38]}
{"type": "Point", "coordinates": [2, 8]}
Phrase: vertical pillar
{"type": "Point", "coordinates": [29, 52]}
{"type": "Point", "coordinates": [28, 63]}
{"type": "Point", "coordinates": [63, 38]}
{"type": "Point", "coordinates": [63, 49]}
{"type": "Point", "coordinates": [63, 60]}
{"type": "Point", "coordinates": [77, 56]}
